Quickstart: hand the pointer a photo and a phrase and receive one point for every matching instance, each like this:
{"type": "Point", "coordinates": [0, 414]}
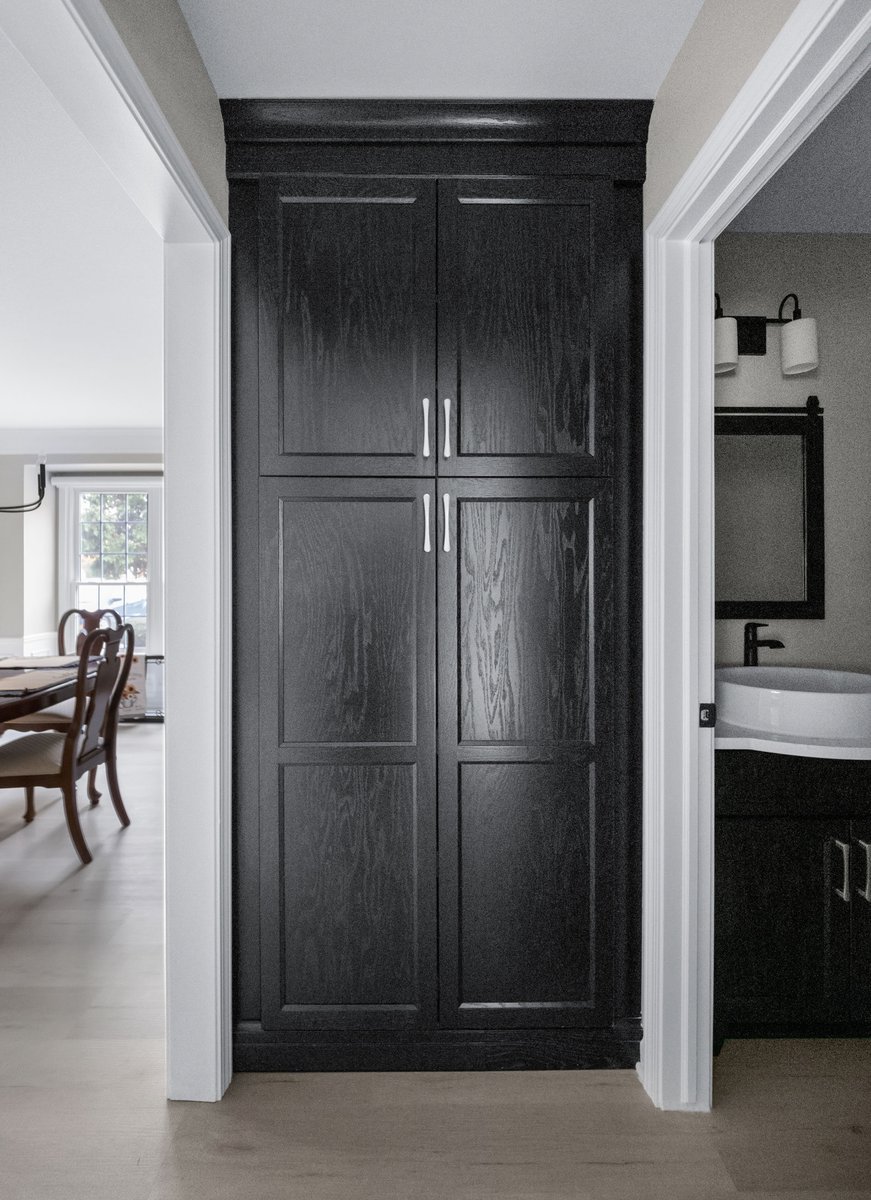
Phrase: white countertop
{"type": "Point", "coordinates": [734, 737]}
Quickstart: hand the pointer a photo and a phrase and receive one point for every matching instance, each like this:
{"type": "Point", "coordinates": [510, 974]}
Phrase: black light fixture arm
{"type": "Point", "coordinates": [781, 319]}
{"type": "Point", "coordinates": [32, 505]}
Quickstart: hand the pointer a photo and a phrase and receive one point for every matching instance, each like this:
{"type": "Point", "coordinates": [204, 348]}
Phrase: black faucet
{"type": "Point", "coordinates": [752, 643]}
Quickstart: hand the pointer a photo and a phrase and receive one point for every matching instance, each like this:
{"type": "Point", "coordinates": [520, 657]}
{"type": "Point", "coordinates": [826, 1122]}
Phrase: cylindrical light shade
{"type": "Point", "coordinates": [798, 346]}
{"type": "Point", "coordinates": [725, 345]}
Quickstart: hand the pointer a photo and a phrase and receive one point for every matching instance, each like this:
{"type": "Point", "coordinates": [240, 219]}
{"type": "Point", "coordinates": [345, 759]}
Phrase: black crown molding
{"type": "Point", "coordinates": [566, 122]}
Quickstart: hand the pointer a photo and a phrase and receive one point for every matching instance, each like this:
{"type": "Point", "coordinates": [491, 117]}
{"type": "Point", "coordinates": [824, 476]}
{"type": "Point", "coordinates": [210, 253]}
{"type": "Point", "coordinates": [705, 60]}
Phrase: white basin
{"type": "Point", "coordinates": [796, 702]}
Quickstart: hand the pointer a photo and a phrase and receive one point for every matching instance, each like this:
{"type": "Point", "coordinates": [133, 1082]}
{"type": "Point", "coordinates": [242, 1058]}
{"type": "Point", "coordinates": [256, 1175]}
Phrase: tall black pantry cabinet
{"type": "Point", "coordinates": [436, 362]}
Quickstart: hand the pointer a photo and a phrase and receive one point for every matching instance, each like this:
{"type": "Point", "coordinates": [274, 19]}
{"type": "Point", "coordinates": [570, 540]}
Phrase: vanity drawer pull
{"type": "Point", "coordinates": [844, 892]}
{"type": "Point", "coordinates": [865, 892]}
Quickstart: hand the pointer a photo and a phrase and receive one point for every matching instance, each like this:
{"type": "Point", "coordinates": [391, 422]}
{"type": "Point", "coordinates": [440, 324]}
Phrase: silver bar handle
{"type": "Point", "coordinates": [844, 892]}
{"type": "Point", "coordinates": [426, 543]}
{"type": "Point", "coordinates": [447, 542]}
{"type": "Point", "coordinates": [426, 427]}
{"type": "Point", "coordinates": [447, 427]}
{"type": "Point", "coordinates": [865, 892]}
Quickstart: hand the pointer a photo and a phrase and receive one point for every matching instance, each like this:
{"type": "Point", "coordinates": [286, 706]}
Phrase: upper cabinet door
{"type": "Point", "coordinates": [347, 326]}
{"type": "Point", "coordinates": [525, 327]}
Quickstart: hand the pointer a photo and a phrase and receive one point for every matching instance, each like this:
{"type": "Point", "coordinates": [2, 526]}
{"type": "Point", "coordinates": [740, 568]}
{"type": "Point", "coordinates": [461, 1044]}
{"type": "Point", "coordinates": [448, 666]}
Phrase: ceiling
{"type": "Point", "coordinates": [81, 304]}
{"type": "Point", "coordinates": [474, 49]}
{"type": "Point", "coordinates": [824, 186]}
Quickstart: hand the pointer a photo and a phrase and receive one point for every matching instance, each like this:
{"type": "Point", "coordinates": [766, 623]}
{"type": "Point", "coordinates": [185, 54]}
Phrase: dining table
{"type": "Point", "coordinates": [45, 687]}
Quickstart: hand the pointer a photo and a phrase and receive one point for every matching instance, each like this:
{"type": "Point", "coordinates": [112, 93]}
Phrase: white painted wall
{"type": "Point", "coordinates": [81, 306]}
{"type": "Point", "coordinates": [721, 51]}
{"type": "Point", "coordinates": [160, 43]}
{"type": "Point", "coordinates": [11, 552]}
{"type": "Point", "coordinates": [830, 274]}
{"type": "Point", "coordinates": [39, 565]}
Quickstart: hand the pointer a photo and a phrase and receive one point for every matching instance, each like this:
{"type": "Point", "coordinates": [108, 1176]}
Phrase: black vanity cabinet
{"type": "Point", "coordinates": [437, 401]}
{"type": "Point", "coordinates": [793, 895]}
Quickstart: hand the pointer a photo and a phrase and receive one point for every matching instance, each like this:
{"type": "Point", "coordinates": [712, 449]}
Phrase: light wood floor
{"type": "Point", "coordinates": [82, 1113]}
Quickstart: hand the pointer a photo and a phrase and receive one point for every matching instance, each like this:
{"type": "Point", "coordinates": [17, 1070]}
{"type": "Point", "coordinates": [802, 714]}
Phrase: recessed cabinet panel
{"type": "Point", "coordinates": [524, 637]}
{"type": "Point", "coordinates": [527, 886]}
{"type": "Point", "coordinates": [349, 898]}
{"type": "Point", "coordinates": [348, 619]}
{"type": "Point", "coordinates": [783, 931]}
{"type": "Point", "coordinates": [524, 324]}
{"type": "Point", "coordinates": [347, 754]}
{"type": "Point", "coordinates": [348, 341]}
{"type": "Point", "coordinates": [525, 772]}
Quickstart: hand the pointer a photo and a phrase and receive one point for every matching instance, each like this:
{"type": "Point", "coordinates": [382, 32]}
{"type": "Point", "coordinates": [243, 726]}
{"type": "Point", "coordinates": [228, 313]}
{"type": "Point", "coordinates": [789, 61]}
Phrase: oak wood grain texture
{"type": "Point", "coordinates": [348, 619]}
{"type": "Point", "coordinates": [347, 755]}
{"type": "Point", "coordinates": [524, 621]}
{"type": "Point", "coordinates": [525, 318]}
{"type": "Point", "coordinates": [525, 600]}
{"type": "Point", "coordinates": [782, 939]}
{"type": "Point", "coordinates": [347, 347]}
{"type": "Point", "coordinates": [527, 885]}
{"type": "Point", "coordinates": [349, 872]}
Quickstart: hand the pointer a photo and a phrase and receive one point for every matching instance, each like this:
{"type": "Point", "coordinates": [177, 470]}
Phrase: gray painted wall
{"type": "Point", "coordinates": [823, 187]}
{"type": "Point", "coordinates": [830, 273]}
{"type": "Point", "coordinates": [163, 48]}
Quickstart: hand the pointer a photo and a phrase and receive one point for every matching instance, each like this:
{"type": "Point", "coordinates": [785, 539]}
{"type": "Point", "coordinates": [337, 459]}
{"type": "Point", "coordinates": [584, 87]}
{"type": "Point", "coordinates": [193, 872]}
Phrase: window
{"type": "Point", "coordinates": [110, 551]}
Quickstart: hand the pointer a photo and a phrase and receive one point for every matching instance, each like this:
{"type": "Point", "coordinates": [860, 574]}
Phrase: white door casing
{"type": "Point", "coordinates": [822, 50]}
{"type": "Point", "coordinates": [77, 52]}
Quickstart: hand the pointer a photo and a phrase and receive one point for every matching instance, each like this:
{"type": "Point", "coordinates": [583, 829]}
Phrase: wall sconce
{"type": "Point", "coordinates": [799, 352]}
{"type": "Point", "coordinates": [725, 340]}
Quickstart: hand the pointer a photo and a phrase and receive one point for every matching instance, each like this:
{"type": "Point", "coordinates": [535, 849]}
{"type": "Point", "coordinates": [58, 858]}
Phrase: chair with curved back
{"type": "Point", "coordinates": [53, 759]}
{"type": "Point", "coordinates": [91, 619]}
{"type": "Point", "coordinates": [58, 717]}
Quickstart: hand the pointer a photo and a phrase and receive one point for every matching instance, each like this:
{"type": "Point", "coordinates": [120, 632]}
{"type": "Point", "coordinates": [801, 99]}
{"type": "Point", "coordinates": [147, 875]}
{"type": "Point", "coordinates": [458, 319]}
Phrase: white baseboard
{"type": "Point", "coordinates": [11, 646]}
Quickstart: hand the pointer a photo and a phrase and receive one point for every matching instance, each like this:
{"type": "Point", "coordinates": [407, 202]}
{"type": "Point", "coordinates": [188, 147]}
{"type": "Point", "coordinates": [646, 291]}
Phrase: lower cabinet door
{"type": "Point", "coordinates": [783, 910]}
{"type": "Point", "coordinates": [525, 770]}
{"type": "Point", "coordinates": [861, 925]}
{"type": "Point", "coordinates": [347, 754]}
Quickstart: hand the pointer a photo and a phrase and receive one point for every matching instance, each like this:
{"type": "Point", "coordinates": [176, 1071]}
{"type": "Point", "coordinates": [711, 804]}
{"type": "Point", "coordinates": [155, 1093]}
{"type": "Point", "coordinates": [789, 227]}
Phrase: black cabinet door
{"type": "Point", "coordinates": [525, 771]}
{"type": "Point", "coordinates": [347, 325]}
{"type": "Point", "coordinates": [525, 327]}
{"type": "Point", "coordinates": [347, 754]}
{"type": "Point", "coordinates": [861, 924]}
{"type": "Point", "coordinates": [782, 941]}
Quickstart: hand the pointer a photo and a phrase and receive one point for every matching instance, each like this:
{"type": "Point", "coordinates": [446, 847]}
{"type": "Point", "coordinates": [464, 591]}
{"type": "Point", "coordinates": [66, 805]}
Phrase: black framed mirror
{"type": "Point", "coordinates": [769, 524]}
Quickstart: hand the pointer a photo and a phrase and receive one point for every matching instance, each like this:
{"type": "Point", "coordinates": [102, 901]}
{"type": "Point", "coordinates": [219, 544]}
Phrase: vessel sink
{"type": "Point", "coordinates": [795, 702]}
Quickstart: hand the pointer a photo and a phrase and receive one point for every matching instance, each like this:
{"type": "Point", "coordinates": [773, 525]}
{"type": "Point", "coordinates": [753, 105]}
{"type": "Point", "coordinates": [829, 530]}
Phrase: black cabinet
{"type": "Point", "coordinates": [525, 752]}
{"type": "Point", "coordinates": [783, 925]}
{"type": "Point", "coordinates": [437, 520]}
{"type": "Point", "coordinates": [793, 895]}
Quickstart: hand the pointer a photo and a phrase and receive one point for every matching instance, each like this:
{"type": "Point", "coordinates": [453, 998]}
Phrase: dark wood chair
{"type": "Point", "coordinates": [91, 619]}
{"type": "Point", "coordinates": [53, 759]}
{"type": "Point", "coordinates": [57, 718]}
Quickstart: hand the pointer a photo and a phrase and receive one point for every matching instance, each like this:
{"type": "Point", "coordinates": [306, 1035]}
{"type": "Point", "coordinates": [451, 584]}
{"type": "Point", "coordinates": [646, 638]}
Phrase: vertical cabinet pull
{"type": "Point", "coordinates": [447, 427]}
{"type": "Point", "coordinates": [865, 892]}
{"type": "Point", "coordinates": [426, 543]}
{"type": "Point", "coordinates": [447, 542]}
{"type": "Point", "coordinates": [844, 892]}
{"type": "Point", "coordinates": [426, 427]}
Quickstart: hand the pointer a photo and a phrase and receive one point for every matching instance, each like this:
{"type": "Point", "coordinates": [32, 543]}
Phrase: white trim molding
{"type": "Point", "coordinates": [76, 50]}
{"type": "Point", "coordinates": [822, 50]}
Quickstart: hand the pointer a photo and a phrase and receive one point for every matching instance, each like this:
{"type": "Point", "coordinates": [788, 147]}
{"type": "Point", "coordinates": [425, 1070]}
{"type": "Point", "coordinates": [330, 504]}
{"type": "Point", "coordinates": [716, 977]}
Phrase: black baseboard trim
{"type": "Point", "coordinates": [256, 1049]}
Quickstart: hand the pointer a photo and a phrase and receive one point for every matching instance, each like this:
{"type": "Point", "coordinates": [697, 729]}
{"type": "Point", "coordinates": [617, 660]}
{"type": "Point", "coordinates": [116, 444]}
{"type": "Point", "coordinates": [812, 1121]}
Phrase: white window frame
{"type": "Point", "coordinates": [70, 488]}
